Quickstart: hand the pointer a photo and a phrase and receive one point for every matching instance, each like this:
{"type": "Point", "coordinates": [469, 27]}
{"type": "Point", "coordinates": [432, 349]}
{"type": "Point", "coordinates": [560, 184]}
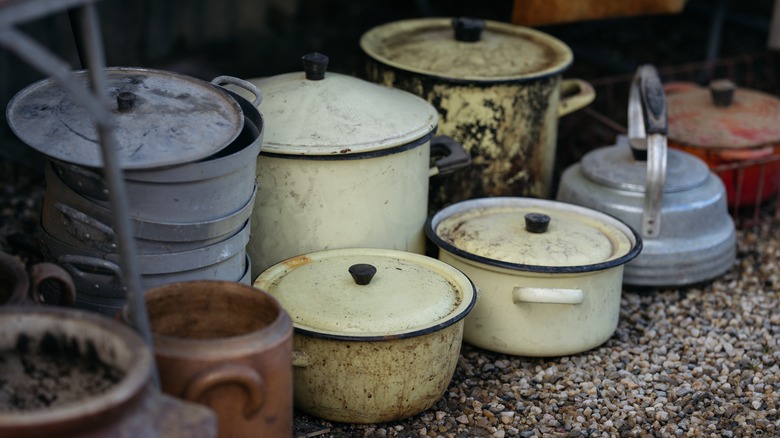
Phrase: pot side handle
{"type": "Point", "coordinates": [228, 374]}
{"type": "Point", "coordinates": [454, 156]}
{"type": "Point", "coordinates": [246, 85]}
{"type": "Point", "coordinates": [46, 271]}
{"type": "Point", "coordinates": [575, 94]}
{"type": "Point", "coordinates": [547, 295]}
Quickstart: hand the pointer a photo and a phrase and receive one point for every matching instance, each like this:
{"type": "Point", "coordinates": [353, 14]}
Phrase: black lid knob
{"type": "Point", "coordinates": [722, 92]}
{"type": "Point", "coordinates": [125, 101]}
{"type": "Point", "coordinates": [468, 29]}
{"type": "Point", "coordinates": [315, 64]}
{"type": "Point", "coordinates": [362, 273]}
{"type": "Point", "coordinates": [537, 222]}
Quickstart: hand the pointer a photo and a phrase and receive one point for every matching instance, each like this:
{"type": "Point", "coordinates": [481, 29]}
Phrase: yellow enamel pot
{"type": "Point", "coordinates": [377, 332]}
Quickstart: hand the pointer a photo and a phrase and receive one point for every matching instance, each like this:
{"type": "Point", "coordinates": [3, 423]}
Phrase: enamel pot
{"type": "Point", "coordinates": [377, 332]}
{"type": "Point", "coordinates": [733, 128]}
{"type": "Point", "coordinates": [498, 89]}
{"type": "Point", "coordinates": [345, 163]}
{"type": "Point", "coordinates": [670, 196]}
{"type": "Point", "coordinates": [549, 273]}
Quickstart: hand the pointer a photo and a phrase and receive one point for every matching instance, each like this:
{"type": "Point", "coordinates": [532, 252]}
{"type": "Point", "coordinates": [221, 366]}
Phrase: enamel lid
{"type": "Point", "coordinates": [723, 116]}
{"type": "Point", "coordinates": [315, 112]}
{"type": "Point", "coordinates": [467, 49]}
{"type": "Point", "coordinates": [389, 293]}
{"type": "Point", "coordinates": [615, 166]}
{"type": "Point", "coordinates": [533, 235]}
{"type": "Point", "coordinates": [160, 119]}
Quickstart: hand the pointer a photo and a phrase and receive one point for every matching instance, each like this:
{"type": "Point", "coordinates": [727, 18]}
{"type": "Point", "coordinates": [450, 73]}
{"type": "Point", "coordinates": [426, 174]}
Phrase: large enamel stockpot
{"type": "Point", "coordinates": [726, 125]}
{"type": "Point", "coordinates": [670, 196]}
{"type": "Point", "coordinates": [498, 90]}
{"type": "Point", "coordinates": [53, 341]}
{"type": "Point", "coordinates": [377, 331]}
{"type": "Point", "coordinates": [549, 273]}
{"type": "Point", "coordinates": [183, 143]}
{"type": "Point", "coordinates": [345, 163]}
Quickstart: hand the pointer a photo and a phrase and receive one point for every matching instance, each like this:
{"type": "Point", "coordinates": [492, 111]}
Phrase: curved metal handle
{"type": "Point", "coordinates": [86, 229]}
{"type": "Point", "coordinates": [45, 271]}
{"type": "Point", "coordinates": [575, 94]}
{"type": "Point", "coordinates": [547, 295]}
{"type": "Point", "coordinates": [228, 374]}
{"type": "Point", "coordinates": [647, 128]}
{"type": "Point", "coordinates": [106, 277]}
{"type": "Point", "coordinates": [454, 156]}
{"type": "Point", "coordinates": [248, 86]}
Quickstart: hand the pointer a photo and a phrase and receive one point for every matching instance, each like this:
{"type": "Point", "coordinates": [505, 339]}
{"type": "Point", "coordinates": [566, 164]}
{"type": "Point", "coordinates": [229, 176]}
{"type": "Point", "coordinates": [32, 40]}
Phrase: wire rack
{"type": "Point", "coordinates": [599, 124]}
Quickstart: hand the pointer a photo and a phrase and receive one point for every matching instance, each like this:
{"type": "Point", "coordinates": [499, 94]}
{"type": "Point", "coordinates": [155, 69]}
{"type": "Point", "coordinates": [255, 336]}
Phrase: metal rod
{"type": "Point", "coordinates": [93, 44]}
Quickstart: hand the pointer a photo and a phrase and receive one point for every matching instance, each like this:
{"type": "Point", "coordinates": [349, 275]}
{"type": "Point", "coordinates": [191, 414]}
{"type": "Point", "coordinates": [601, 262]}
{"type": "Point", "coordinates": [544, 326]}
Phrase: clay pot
{"type": "Point", "coordinates": [228, 346]}
{"type": "Point", "coordinates": [19, 287]}
{"type": "Point", "coordinates": [107, 391]}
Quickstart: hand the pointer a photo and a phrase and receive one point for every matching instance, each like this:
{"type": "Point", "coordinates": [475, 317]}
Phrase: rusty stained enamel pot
{"type": "Point", "coordinates": [377, 331]}
{"type": "Point", "coordinates": [498, 89]}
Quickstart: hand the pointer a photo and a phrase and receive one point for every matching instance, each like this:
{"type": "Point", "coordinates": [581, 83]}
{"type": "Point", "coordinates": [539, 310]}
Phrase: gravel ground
{"type": "Point", "coordinates": [694, 361]}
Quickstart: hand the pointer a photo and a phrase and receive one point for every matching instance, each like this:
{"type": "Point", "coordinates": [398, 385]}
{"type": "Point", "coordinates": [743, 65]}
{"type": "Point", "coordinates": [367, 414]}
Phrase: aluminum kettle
{"type": "Point", "coordinates": [671, 197]}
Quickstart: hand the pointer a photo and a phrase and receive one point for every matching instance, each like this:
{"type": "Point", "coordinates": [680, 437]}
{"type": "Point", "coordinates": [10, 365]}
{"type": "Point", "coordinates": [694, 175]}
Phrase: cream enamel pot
{"type": "Point", "coordinates": [377, 332]}
{"type": "Point", "coordinates": [345, 163]}
{"type": "Point", "coordinates": [549, 273]}
{"type": "Point", "coordinates": [498, 89]}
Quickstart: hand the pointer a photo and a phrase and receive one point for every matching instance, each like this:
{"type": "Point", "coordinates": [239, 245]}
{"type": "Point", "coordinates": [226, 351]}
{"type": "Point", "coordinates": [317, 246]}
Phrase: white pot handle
{"type": "Point", "coordinates": [546, 295]}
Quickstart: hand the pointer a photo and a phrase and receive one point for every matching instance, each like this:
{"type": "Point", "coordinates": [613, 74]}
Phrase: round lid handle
{"type": "Point", "coordinates": [362, 273]}
{"type": "Point", "coordinates": [468, 29]}
{"type": "Point", "coordinates": [125, 101]}
{"type": "Point", "coordinates": [722, 92]}
{"type": "Point", "coordinates": [537, 223]}
{"type": "Point", "coordinates": [315, 64]}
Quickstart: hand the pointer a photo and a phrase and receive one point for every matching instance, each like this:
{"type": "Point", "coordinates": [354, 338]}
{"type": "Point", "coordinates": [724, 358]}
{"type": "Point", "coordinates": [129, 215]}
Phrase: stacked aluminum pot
{"type": "Point", "coordinates": [187, 149]}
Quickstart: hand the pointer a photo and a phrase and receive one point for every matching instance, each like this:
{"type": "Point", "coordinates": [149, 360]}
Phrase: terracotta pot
{"type": "Point", "coordinates": [228, 346]}
{"type": "Point", "coordinates": [19, 287]}
{"type": "Point", "coordinates": [113, 395]}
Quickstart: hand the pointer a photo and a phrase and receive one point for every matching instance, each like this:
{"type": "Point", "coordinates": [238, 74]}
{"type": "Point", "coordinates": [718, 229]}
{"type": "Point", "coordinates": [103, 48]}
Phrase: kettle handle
{"type": "Point", "coordinates": [647, 129]}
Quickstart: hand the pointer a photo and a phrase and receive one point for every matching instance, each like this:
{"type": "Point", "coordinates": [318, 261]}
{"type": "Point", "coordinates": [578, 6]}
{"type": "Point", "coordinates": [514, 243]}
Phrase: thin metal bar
{"type": "Point", "coordinates": [93, 44]}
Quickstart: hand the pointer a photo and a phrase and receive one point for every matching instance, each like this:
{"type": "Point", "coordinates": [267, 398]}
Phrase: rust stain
{"type": "Point", "coordinates": [296, 262]}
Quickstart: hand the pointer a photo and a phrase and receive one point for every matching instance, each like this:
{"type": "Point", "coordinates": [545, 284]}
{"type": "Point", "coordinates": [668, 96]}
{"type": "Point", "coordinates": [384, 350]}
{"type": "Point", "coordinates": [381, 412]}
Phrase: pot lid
{"type": "Point", "coordinates": [467, 49]}
{"type": "Point", "coordinates": [161, 119]}
{"type": "Point", "coordinates": [368, 293]}
{"type": "Point", "coordinates": [740, 118]}
{"type": "Point", "coordinates": [615, 166]}
{"type": "Point", "coordinates": [321, 113]}
{"type": "Point", "coordinates": [533, 235]}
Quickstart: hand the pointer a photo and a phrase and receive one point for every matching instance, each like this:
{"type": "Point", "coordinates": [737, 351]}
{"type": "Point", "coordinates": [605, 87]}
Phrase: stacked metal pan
{"type": "Point", "coordinates": [188, 150]}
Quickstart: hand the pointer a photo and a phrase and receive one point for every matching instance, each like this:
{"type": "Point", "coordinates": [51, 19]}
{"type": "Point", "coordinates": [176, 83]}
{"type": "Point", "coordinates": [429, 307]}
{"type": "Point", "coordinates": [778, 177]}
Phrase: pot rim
{"type": "Point", "coordinates": [137, 374]}
{"type": "Point", "coordinates": [346, 154]}
{"type": "Point", "coordinates": [434, 220]}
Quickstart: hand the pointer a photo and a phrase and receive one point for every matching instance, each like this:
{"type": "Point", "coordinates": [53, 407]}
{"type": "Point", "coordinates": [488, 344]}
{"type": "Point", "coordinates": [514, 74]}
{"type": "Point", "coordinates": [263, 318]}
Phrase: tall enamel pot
{"type": "Point", "coordinates": [345, 163]}
{"type": "Point", "coordinates": [498, 89]}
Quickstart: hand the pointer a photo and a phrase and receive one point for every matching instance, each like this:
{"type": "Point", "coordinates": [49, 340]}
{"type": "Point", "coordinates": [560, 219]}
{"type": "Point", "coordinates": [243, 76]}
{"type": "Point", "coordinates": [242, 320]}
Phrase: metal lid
{"type": "Point", "coordinates": [318, 113]}
{"type": "Point", "coordinates": [533, 235]}
{"type": "Point", "coordinates": [615, 166]}
{"type": "Point", "coordinates": [161, 119]}
{"type": "Point", "coordinates": [407, 294]}
{"type": "Point", "coordinates": [746, 119]}
{"type": "Point", "coordinates": [467, 49]}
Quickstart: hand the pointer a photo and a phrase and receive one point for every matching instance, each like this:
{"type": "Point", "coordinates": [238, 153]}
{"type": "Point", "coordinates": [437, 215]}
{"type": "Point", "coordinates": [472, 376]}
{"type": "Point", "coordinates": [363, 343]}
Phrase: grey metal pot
{"type": "Point", "coordinates": [670, 196]}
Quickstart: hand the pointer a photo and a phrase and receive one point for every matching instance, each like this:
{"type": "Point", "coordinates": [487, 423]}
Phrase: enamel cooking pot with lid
{"type": "Point", "coordinates": [549, 273]}
{"type": "Point", "coordinates": [345, 163]}
{"type": "Point", "coordinates": [377, 331]}
{"type": "Point", "coordinates": [670, 196]}
{"type": "Point", "coordinates": [727, 126]}
{"type": "Point", "coordinates": [498, 90]}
